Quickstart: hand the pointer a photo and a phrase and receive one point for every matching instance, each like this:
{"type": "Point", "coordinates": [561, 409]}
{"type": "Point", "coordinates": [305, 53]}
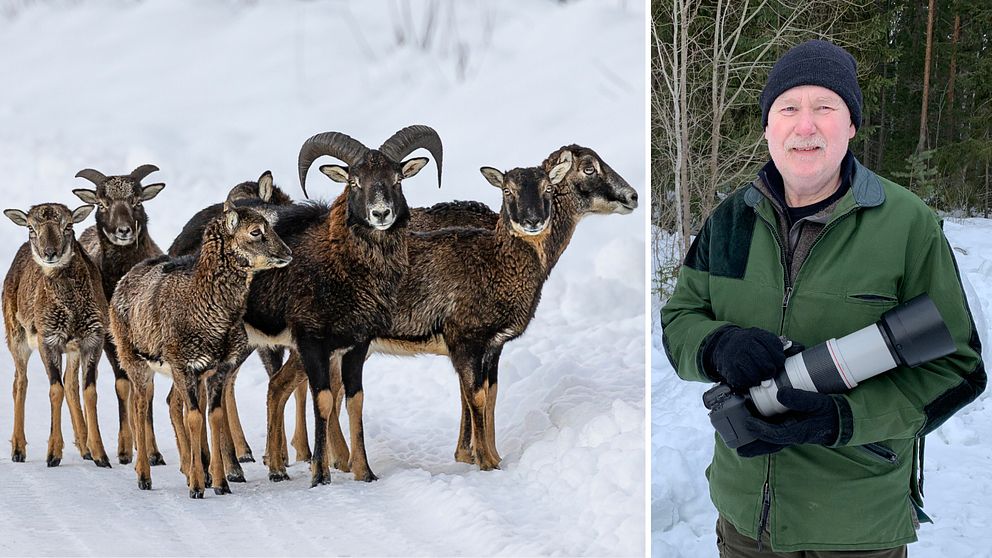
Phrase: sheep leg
{"type": "Point", "coordinates": [272, 359]}
{"type": "Point", "coordinates": [232, 466]}
{"type": "Point", "coordinates": [336, 445]}
{"type": "Point", "coordinates": [204, 444]}
{"type": "Point", "coordinates": [154, 456]}
{"type": "Point", "coordinates": [122, 385]}
{"type": "Point", "coordinates": [175, 402]}
{"type": "Point", "coordinates": [90, 359]}
{"type": "Point", "coordinates": [280, 386]}
{"type": "Point", "coordinates": [316, 362]}
{"type": "Point", "coordinates": [52, 358]}
{"type": "Point", "coordinates": [139, 405]}
{"type": "Point", "coordinates": [491, 363]}
{"type": "Point", "coordinates": [463, 451]}
{"type": "Point", "coordinates": [194, 429]}
{"type": "Point", "coordinates": [218, 424]}
{"type": "Point", "coordinates": [71, 382]}
{"type": "Point", "coordinates": [301, 443]}
{"type": "Point", "coordinates": [351, 375]}
{"type": "Point", "coordinates": [237, 432]}
{"type": "Point", "coordinates": [475, 387]}
{"type": "Point", "coordinates": [21, 351]}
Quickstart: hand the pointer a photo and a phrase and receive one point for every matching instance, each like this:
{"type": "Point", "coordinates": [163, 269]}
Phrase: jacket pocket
{"type": "Point", "coordinates": [880, 453]}
{"type": "Point", "coordinates": [873, 298]}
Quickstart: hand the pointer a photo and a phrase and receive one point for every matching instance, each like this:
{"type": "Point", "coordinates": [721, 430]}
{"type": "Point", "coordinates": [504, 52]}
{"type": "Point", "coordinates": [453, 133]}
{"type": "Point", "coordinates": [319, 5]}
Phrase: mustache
{"type": "Point", "coordinates": [806, 143]}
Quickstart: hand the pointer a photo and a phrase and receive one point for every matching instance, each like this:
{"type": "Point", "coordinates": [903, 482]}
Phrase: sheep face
{"type": "Point", "coordinates": [600, 189]}
{"type": "Point", "coordinates": [253, 241]}
{"type": "Point", "coordinates": [50, 231]}
{"type": "Point", "coordinates": [120, 215]}
{"type": "Point", "coordinates": [375, 193]}
{"type": "Point", "coordinates": [527, 195]}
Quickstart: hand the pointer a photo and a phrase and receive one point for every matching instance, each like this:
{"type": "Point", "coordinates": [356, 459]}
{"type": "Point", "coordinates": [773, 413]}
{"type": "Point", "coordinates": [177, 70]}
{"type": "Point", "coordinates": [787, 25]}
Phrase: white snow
{"type": "Point", "coordinates": [958, 487]}
{"type": "Point", "coordinates": [214, 93]}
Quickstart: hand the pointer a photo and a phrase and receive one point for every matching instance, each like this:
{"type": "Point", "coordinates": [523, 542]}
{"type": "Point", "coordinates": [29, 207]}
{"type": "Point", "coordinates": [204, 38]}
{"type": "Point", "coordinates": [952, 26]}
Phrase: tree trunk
{"type": "Point", "coordinates": [921, 143]}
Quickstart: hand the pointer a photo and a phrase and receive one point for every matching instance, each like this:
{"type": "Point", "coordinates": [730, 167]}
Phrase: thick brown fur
{"type": "Point", "coordinates": [56, 309]}
{"type": "Point", "coordinates": [184, 317]}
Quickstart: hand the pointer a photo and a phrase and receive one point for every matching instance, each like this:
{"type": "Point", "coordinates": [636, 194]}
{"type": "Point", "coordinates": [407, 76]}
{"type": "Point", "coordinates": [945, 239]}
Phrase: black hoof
{"type": "Point", "coordinates": [54, 461]}
{"type": "Point", "coordinates": [324, 478]}
{"type": "Point", "coordinates": [236, 477]}
{"type": "Point", "coordinates": [196, 493]}
{"type": "Point", "coordinates": [278, 476]}
{"type": "Point", "coordinates": [155, 459]}
{"type": "Point", "coordinates": [221, 490]}
{"type": "Point", "coordinates": [144, 484]}
{"type": "Point", "coordinates": [246, 458]}
{"type": "Point", "coordinates": [123, 459]}
{"type": "Point", "coordinates": [87, 456]}
{"type": "Point", "coordinates": [102, 463]}
{"type": "Point", "coordinates": [369, 477]}
{"type": "Point", "coordinates": [17, 457]}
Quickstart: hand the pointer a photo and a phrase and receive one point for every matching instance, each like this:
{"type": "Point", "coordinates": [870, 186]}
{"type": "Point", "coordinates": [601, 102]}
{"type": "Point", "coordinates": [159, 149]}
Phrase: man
{"type": "Point", "coordinates": [816, 247]}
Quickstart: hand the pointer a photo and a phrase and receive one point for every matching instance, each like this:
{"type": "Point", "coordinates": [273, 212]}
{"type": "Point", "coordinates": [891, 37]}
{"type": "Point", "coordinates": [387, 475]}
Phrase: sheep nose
{"type": "Point", "coordinates": [50, 253]}
{"type": "Point", "coordinates": [381, 215]}
{"type": "Point", "coordinates": [123, 231]}
{"type": "Point", "coordinates": [632, 199]}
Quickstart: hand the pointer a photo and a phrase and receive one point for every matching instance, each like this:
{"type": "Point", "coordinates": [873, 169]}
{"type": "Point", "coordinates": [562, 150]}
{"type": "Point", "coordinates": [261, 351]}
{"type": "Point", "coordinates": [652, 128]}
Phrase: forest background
{"type": "Point", "coordinates": [923, 66]}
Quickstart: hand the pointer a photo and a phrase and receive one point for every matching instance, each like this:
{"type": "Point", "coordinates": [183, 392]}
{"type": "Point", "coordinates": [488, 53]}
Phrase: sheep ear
{"type": "Point", "coordinates": [17, 216]}
{"type": "Point", "coordinates": [493, 176]}
{"type": "Point", "coordinates": [337, 173]}
{"type": "Point", "coordinates": [413, 166]}
{"type": "Point", "coordinates": [559, 171]}
{"type": "Point", "coordinates": [81, 213]}
{"type": "Point", "coordinates": [150, 191]}
{"type": "Point", "coordinates": [265, 186]}
{"type": "Point", "coordinates": [88, 196]}
{"type": "Point", "coordinates": [230, 219]}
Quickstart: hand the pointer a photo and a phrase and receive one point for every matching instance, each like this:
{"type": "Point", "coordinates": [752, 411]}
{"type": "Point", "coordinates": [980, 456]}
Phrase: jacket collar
{"type": "Point", "coordinates": [866, 190]}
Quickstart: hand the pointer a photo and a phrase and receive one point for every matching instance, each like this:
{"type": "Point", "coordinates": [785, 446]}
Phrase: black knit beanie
{"type": "Point", "coordinates": [815, 63]}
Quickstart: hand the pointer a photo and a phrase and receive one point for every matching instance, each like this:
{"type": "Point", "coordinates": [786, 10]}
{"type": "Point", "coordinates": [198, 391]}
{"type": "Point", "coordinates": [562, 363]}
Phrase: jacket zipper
{"type": "Point", "coordinates": [766, 495]}
{"type": "Point", "coordinates": [880, 452]}
{"type": "Point", "coordinates": [766, 506]}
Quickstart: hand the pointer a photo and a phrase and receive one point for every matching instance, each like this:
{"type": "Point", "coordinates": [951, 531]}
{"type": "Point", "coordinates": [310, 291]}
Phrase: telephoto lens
{"type": "Point", "coordinates": [908, 335]}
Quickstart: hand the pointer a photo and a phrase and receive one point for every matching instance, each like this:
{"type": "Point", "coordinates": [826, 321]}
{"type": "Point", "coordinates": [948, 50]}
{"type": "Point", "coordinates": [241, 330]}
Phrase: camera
{"type": "Point", "coordinates": [907, 335]}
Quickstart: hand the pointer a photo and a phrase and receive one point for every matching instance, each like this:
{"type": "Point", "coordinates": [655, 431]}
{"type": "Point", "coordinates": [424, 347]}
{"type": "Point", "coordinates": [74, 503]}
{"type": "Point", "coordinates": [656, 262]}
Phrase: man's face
{"type": "Point", "coordinates": [808, 130]}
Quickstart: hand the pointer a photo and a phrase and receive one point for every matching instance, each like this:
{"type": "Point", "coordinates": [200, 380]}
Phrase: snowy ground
{"type": "Point", "coordinates": [214, 93]}
{"type": "Point", "coordinates": [958, 455]}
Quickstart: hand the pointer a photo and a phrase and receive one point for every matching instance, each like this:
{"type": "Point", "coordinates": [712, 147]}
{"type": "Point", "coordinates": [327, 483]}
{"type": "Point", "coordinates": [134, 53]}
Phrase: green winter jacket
{"type": "Point", "coordinates": [881, 246]}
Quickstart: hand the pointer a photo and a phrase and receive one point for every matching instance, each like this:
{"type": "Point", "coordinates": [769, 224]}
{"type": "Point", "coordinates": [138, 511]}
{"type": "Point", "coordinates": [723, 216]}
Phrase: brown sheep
{"type": "Point", "coordinates": [117, 242]}
{"type": "Point", "coordinates": [183, 317]}
{"type": "Point", "coordinates": [53, 302]}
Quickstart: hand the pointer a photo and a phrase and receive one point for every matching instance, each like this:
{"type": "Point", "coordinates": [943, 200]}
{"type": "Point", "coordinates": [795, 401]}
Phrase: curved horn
{"type": "Point", "coordinates": [94, 176]}
{"type": "Point", "coordinates": [336, 145]}
{"type": "Point", "coordinates": [411, 138]}
{"type": "Point", "coordinates": [141, 172]}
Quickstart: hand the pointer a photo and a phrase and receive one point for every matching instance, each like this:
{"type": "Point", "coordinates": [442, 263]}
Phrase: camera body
{"type": "Point", "coordinates": [909, 335]}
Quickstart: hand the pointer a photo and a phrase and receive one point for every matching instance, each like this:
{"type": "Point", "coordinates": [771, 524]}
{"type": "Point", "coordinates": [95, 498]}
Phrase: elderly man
{"type": "Point", "coordinates": [816, 247]}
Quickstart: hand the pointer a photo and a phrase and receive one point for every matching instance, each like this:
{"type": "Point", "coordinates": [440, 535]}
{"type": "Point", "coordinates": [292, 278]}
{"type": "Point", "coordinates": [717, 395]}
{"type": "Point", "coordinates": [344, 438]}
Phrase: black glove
{"type": "Point", "coordinates": [814, 420]}
{"type": "Point", "coordinates": [743, 358]}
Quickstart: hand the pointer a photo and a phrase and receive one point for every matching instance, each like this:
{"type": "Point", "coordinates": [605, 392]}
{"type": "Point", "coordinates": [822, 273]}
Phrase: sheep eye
{"type": "Point", "coordinates": [589, 170]}
{"type": "Point", "coordinates": [547, 189]}
{"type": "Point", "coordinates": [506, 191]}
{"type": "Point", "coordinates": [256, 232]}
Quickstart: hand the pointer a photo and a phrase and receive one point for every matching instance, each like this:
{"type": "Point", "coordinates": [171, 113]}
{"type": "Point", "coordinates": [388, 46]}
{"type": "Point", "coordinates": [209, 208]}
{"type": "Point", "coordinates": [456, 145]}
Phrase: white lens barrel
{"type": "Point", "coordinates": [834, 366]}
{"type": "Point", "coordinates": [862, 354]}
